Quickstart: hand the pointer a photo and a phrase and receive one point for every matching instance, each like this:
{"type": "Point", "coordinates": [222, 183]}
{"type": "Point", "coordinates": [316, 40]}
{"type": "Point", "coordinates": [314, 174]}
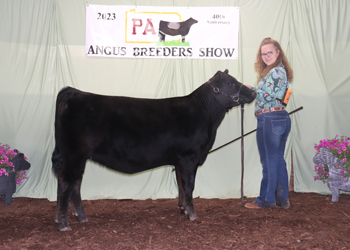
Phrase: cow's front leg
{"type": "Point", "coordinates": [335, 194]}
{"type": "Point", "coordinates": [77, 205]}
{"type": "Point", "coordinates": [334, 187]}
{"type": "Point", "coordinates": [161, 37]}
{"type": "Point", "coordinates": [181, 202]}
{"type": "Point", "coordinates": [188, 176]}
{"type": "Point", "coordinates": [64, 191]}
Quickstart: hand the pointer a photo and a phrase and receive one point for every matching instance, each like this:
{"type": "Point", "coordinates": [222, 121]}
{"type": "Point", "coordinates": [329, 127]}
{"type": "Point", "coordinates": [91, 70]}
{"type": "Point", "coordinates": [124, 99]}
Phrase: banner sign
{"type": "Point", "coordinates": [162, 32]}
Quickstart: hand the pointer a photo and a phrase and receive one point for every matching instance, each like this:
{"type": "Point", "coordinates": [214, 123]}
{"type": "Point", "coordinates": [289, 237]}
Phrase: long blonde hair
{"type": "Point", "coordinates": [262, 69]}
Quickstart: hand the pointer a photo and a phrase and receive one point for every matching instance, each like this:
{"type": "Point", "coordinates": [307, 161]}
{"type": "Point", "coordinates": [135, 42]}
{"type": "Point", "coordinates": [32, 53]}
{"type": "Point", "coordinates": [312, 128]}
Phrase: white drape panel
{"type": "Point", "coordinates": [42, 50]}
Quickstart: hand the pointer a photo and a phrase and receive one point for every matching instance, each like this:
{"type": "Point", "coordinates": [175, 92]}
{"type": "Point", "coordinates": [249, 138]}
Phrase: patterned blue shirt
{"type": "Point", "coordinates": [271, 87]}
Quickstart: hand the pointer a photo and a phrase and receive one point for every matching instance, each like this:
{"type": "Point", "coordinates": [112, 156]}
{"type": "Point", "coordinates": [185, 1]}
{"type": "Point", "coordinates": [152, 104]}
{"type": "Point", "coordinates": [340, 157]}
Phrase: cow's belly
{"type": "Point", "coordinates": [133, 158]}
{"type": "Point", "coordinates": [132, 164]}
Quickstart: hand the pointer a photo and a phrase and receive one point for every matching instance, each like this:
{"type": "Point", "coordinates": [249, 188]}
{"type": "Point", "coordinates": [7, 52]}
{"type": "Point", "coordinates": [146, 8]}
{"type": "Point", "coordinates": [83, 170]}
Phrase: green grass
{"type": "Point", "coordinates": [173, 43]}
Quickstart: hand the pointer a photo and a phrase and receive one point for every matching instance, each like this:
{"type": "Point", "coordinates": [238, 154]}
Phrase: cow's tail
{"type": "Point", "coordinates": [57, 162]}
{"type": "Point", "coordinates": [63, 95]}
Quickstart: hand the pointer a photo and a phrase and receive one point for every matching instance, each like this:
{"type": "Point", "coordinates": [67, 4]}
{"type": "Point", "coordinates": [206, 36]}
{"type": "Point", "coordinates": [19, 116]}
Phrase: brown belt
{"type": "Point", "coordinates": [268, 110]}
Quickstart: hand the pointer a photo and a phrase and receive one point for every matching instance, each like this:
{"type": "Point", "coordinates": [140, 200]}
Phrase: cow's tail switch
{"type": "Point", "coordinates": [56, 161]}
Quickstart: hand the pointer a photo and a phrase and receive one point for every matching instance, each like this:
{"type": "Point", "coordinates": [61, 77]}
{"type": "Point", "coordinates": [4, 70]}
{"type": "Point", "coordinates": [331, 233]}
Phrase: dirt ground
{"type": "Point", "coordinates": [312, 222]}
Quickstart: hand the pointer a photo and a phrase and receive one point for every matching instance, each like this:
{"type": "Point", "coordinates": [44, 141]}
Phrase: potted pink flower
{"type": "Point", "coordinates": [13, 170]}
{"type": "Point", "coordinates": [332, 164]}
{"type": "Point", "coordinates": [340, 148]}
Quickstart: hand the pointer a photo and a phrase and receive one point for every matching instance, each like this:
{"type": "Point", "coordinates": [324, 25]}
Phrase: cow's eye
{"type": "Point", "coordinates": [230, 84]}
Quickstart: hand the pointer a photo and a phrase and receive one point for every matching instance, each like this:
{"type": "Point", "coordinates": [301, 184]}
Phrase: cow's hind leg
{"type": "Point", "coordinates": [64, 191]}
{"type": "Point", "coordinates": [187, 176]}
{"type": "Point", "coordinates": [69, 181]}
{"type": "Point", "coordinates": [161, 37]}
{"type": "Point", "coordinates": [77, 205]}
{"type": "Point", "coordinates": [181, 191]}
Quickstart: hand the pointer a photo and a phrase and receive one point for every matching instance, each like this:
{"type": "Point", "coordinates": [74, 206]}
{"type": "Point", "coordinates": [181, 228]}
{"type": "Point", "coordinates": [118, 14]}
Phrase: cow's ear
{"type": "Point", "coordinates": [226, 71]}
{"type": "Point", "coordinates": [217, 74]}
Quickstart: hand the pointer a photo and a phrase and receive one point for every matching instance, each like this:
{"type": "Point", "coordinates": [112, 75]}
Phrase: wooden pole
{"type": "Point", "coordinates": [242, 152]}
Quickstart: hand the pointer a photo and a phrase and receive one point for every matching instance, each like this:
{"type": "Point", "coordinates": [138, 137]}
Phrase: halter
{"type": "Point", "coordinates": [234, 97]}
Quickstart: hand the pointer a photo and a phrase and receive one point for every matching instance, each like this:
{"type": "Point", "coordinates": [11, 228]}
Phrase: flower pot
{"type": "Point", "coordinates": [7, 187]}
{"type": "Point", "coordinates": [335, 180]}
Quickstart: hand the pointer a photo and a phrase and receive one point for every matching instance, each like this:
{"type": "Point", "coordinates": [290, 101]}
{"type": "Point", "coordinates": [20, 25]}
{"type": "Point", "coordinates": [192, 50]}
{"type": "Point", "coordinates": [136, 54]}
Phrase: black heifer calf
{"type": "Point", "coordinates": [131, 135]}
{"type": "Point", "coordinates": [175, 28]}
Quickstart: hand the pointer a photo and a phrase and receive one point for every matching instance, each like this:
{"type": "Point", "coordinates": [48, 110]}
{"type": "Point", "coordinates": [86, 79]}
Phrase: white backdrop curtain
{"type": "Point", "coordinates": [42, 49]}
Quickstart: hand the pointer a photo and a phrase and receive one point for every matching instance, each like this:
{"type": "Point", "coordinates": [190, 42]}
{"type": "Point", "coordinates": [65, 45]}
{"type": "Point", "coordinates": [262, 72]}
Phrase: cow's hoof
{"type": "Point", "coordinates": [65, 229]}
{"type": "Point", "coordinates": [182, 210]}
{"type": "Point", "coordinates": [82, 218]}
{"type": "Point", "coordinates": [192, 217]}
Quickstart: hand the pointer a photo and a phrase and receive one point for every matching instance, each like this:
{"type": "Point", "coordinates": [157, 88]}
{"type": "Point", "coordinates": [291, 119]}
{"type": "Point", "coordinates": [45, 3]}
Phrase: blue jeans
{"type": "Point", "coordinates": [272, 132]}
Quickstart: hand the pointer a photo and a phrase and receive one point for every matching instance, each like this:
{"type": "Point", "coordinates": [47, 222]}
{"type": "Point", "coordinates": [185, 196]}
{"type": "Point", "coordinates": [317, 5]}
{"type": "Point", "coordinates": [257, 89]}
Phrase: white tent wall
{"type": "Point", "coordinates": [42, 49]}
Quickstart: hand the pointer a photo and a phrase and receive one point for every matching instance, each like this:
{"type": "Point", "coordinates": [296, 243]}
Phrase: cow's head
{"type": "Point", "coordinates": [20, 162]}
{"type": "Point", "coordinates": [228, 91]}
{"type": "Point", "coordinates": [326, 157]}
{"type": "Point", "coordinates": [191, 21]}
